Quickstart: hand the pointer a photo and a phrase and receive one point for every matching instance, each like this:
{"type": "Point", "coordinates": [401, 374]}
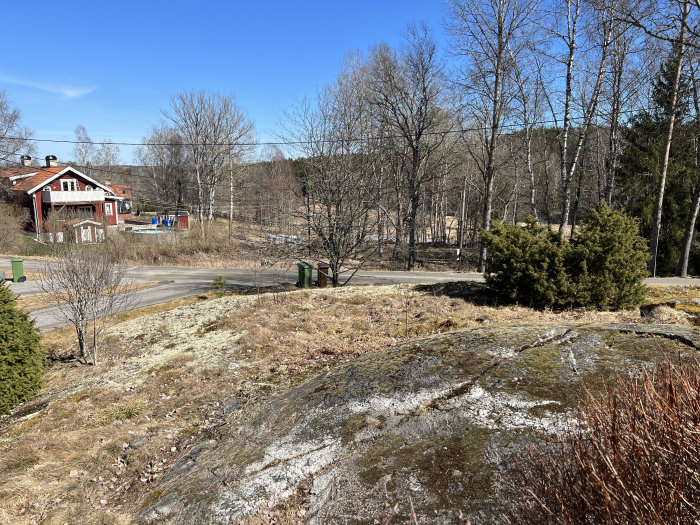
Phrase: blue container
{"type": "Point", "coordinates": [168, 223]}
{"type": "Point", "coordinates": [154, 220]}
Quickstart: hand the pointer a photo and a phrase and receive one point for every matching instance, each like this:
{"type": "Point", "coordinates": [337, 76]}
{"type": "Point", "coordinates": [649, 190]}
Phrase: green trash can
{"type": "Point", "coordinates": [305, 273]}
{"type": "Point", "coordinates": [18, 270]}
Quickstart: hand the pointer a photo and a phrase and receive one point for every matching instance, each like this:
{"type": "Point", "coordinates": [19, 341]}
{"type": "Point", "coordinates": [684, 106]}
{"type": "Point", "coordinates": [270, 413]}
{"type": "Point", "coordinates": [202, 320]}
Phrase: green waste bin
{"type": "Point", "coordinates": [305, 273]}
{"type": "Point", "coordinates": [18, 271]}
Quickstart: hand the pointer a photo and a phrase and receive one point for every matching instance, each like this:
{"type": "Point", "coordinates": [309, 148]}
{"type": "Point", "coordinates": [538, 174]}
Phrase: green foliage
{"type": "Point", "coordinates": [640, 165]}
{"type": "Point", "coordinates": [20, 363]}
{"type": "Point", "coordinates": [219, 285]}
{"type": "Point", "coordinates": [526, 265]}
{"type": "Point", "coordinates": [609, 261]}
{"type": "Point", "coordinates": [604, 266]}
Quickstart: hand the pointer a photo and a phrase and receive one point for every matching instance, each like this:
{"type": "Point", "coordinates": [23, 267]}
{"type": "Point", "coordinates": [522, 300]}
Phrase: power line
{"type": "Point", "coordinates": [461, 131]}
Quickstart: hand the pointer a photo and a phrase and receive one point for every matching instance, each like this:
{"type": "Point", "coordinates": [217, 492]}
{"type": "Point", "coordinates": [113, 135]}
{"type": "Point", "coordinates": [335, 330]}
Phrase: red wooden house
{"type": "Point", "coordinates": [125, 206]}
{"type": "Point", "coordinates": [53, 188]}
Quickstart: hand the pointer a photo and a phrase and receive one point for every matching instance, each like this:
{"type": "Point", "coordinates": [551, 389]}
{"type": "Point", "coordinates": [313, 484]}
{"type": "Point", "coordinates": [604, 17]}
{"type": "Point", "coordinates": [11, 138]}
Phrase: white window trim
{"type": "Point", "coordinates": [108, 209]}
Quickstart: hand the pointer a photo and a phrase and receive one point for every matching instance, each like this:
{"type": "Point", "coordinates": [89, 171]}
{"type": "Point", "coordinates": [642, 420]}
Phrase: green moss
{"type": "Point", "coordinates": [152, 498]}
{"type": "Point", "coordinates": [432, 326]}
{"type": "Point", "coordinates": [547, 372]}
{"type": "Point", "coordinates": [351, 427]}
{"type": "Point", "coordinates": [120, 412]}
{"type": "Point", "coordinates": [77, 398]}
{"type": "Point", "coordinates": [449, 466]}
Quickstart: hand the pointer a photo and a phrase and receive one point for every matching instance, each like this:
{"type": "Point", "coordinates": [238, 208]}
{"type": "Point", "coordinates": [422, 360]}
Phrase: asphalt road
{"type": "Point", "coordinates": [183, 282]}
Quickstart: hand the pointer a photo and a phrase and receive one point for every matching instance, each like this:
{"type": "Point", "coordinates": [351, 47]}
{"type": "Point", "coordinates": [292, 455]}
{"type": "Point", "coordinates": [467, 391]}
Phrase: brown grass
{"type": "Point", "coordinates": [36, 302]}
{"type": "Point", "coordinates": [87, 438]}
{"type": "Point", "coordinates": [634, 457]}
{"type": "Point", "coordinates": [31, 276]}
{"type": "Point", "coordinates": [663, 294]}
{"type": "Point", "coordinates": [211, 249]}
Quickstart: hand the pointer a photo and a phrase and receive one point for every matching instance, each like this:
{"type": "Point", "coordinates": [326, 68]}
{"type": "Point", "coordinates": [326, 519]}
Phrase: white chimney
{"type": "Point", "coordinates": [51, 161]}
{"type": "Point", "coordinates": [26, 160]}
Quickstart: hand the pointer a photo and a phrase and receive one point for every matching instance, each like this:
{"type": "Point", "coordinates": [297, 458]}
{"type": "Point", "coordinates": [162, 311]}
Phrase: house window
{"type": "Point", "coordinates": [88, 188]}
{"type": "Point", "coordinates": [69, 185]}
{"type": "Point", "coordinates": [108, 208]}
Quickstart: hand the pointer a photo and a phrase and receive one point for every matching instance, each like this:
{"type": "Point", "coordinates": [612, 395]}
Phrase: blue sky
{"type": "Point", "coordinates": [112, 66]}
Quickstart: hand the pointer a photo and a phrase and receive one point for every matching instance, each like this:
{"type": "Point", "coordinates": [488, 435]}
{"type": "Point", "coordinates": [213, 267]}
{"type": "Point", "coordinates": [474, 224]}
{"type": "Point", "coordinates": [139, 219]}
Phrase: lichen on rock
{"type": "Point", "coordinates": [432, 420]}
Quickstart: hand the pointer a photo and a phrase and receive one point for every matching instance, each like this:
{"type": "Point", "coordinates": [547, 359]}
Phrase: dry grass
{"type": "Point", "coordinates": [634, 457]}
{"type": "Point", "coordinates": [30, 303]}
{"type": "Point", "coordinates": [92, 446]}
{"type": "Point", "coordinates": [31, 276]}
{"type": "Point", "coordinates": [211, 249]}
{"type": "Point", "coordinates": [664, 294]}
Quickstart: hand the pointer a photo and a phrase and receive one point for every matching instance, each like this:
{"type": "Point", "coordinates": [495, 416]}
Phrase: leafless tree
{"type": "Point", "coordinates": [490, 36]}
{"type": "Point", "coordinates": [601, 22]}
{"type": "Point", "coordinates": [216, 131]}
{"type": "Point", "coordinates": [14, 137]}
{"type": "Point", "coordinates": [86, 287]}
{"type": "Point", "coordinates": [84, 150]}
{"type": "Point", "coordinates": [409, 89]}
{"type": "Point", "coordinates": [622, 88]}
{"type": "Point", "coordinates": [108, 154]}
{"type": "Point", "coordinates": [167, 162]}
{"type": "Point", "coordinates": [674, 26]}
{"type": "Point", "coordinates": [332, 136]}
{"type": "Point", "coordinates": [695, 203]}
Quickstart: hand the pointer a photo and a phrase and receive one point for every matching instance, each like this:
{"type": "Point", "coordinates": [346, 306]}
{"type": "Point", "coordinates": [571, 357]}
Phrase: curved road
{"type": "Point", "coordinates": [183, 282]}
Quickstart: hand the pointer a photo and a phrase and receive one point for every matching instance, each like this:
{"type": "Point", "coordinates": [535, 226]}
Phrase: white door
{"type": "Point", "coordinates": [86, 234]}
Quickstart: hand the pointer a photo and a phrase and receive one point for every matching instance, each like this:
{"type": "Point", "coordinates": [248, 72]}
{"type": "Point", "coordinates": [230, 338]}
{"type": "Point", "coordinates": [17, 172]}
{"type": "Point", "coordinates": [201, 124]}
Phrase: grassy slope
{"type": "Point", "coordinates": [94, 443]}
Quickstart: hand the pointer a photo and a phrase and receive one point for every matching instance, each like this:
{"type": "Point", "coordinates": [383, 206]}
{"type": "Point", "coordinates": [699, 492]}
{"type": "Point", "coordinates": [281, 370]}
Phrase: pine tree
{"type": "Point", "coordinates": [20, 362]}
{"type": "Point", "coordinates": [641, 161]}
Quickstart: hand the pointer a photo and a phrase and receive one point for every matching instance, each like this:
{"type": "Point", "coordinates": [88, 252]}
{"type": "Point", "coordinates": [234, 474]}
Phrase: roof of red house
{"type": "Point", "coordinates": [120, 191]}
{"type": "Point", "coordinates": [78, 221]}
{"type": "Point", "coordinates": [14, 171]}
{"type": "Point", "coordinates": [42, 175]}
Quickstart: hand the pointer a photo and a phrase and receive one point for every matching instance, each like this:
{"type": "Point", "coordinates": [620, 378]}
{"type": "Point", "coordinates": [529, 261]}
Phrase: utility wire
{"type": "Point", "coordinates": [461, 131]}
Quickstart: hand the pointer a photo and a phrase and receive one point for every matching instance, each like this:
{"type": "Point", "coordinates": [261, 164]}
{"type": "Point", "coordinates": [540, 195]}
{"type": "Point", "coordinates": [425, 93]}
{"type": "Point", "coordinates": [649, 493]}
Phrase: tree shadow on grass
{"type": "Point", "coordinates": [478, 294]}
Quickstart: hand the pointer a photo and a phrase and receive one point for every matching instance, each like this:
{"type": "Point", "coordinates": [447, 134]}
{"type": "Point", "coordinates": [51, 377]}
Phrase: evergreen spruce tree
{"type": "Point", "coordinates": [20, 362]}
{"type": "Point", "coordinates": [639, 167]}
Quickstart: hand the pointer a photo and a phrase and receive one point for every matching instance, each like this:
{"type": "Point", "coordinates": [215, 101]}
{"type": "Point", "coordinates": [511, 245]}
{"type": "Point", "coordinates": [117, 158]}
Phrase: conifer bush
{"type": "Point", "coordinates": [20, 362]}
{"type": "Point", "coordinates": [609, 261]}
{"type": "Point", "coordinates": [527, 265]}
{"type": "Point", "coordinates": [604, 266]}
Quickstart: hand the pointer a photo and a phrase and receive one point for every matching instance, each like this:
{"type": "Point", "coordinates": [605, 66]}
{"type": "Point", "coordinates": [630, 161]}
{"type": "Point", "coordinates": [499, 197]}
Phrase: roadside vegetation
{"type": "Point", "coordinates": [603, 265]}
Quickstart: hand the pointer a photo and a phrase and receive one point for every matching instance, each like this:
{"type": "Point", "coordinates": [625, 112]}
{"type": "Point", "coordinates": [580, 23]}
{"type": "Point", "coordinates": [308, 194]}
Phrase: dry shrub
{"type": "Point", "coordinates": [10, 227]}
{"type": "Point", "coordinates": [634, 457]}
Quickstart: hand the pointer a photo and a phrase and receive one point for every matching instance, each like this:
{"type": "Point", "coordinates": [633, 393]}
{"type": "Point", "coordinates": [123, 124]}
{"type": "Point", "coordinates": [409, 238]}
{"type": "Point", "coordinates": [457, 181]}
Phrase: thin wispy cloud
{"type": "Point", "coordinates": [57, 89]}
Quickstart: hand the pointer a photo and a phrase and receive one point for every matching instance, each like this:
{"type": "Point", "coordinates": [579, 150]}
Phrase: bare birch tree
{"type": "Point", "coordinates": [489, 36]}
{"type": "Point", "coordinates": [84, 151]}
{"type": "Point", "coordinates": [215, 130]}
{"type": "Point", "coordinates": [408, 87]}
